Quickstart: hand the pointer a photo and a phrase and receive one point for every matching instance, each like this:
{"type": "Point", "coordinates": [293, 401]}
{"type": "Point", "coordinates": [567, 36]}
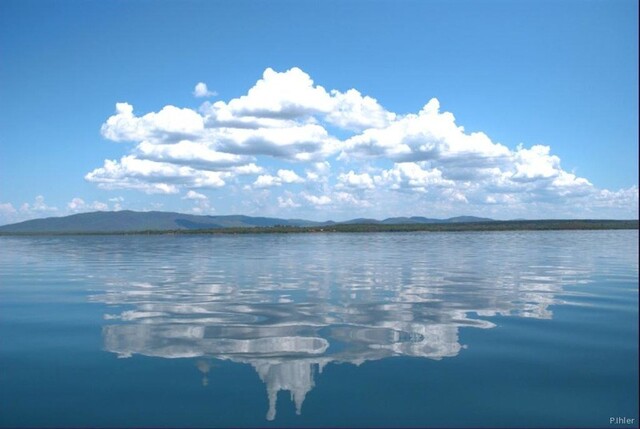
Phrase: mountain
{"type": "Point", "coordinates": [411, 220]}
{"type": "Point", "coordinates": [468, 219]}
{"type": "Point", "coordinates": [359, 221]}
{"type": "Point", "coordinates": [130, 221]}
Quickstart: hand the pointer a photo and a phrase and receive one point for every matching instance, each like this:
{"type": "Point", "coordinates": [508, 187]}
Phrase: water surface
{"type": "Point", "coordinates": [397, 329]}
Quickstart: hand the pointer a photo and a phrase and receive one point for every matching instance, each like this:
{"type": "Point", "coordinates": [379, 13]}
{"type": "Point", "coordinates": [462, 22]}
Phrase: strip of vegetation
{"type": "Point", "coordinates": [519, 225]}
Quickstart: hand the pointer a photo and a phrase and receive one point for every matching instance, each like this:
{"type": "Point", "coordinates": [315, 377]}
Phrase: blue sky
{"type": "Point", "coordinates": [320, 110]}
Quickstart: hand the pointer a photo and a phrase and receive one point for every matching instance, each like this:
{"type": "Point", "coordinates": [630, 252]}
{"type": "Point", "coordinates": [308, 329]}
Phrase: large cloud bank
{"type": "Point", "coordinates": [278, 145]}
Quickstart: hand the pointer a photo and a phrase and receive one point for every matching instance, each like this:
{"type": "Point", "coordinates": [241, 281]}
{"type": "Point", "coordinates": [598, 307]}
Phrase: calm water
{"type": "Point", "coordinates": [434, 329]}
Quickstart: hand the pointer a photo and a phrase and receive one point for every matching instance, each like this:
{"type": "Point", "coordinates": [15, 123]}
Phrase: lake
{"type": "Point", "coordinates": [515, 329]}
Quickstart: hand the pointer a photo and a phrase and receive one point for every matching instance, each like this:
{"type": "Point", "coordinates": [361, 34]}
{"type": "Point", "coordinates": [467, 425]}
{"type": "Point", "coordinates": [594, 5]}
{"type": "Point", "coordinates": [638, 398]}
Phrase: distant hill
{"type": "Point", "coordinates": [421, 220]}
{"type": "Point", "coordinates": [468, 219]}
{"type": "Point", "coordinates": [130, 221]}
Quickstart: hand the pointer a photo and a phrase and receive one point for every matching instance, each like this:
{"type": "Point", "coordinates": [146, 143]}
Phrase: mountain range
{"type": "Point", "coordinates": [130, 221]}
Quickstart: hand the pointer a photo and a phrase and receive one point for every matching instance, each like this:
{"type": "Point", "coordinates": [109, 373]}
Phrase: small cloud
{"type": "Point", "coordinates": [266, 181]}
{"type": "Point", "coordinates": [321, 200]}
{"type": "Point", "coordinates": [351, 179]}
{"type": "Point", "coordinates": [100, 206]}
{"type": "Point", "coordinates": [7, 209]}
{"type": "Point", "coordinates": [289, 176]}
{"type": "Point", "coordinates": [287, 203]}
{"type": "Point", "coordinates": [38, 207]}
{"type": "Point", "coordinates": [117, 203]}
{"type": "Point", "coordinates": [78, 205]}
{"type": "Point", "coordinates": [193, 195]}
{"type": "Point", "coordinates": [283, 176]}
{"type": "Point", "coordinates": [202, 91]}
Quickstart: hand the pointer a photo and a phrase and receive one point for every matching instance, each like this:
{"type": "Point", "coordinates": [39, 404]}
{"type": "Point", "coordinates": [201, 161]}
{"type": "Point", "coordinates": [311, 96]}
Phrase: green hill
{"type": "Point", "coordinates": [129, 221]}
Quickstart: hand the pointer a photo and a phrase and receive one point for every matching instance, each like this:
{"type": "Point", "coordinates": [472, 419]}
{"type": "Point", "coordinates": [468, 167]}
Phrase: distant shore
{"type": "Point", "coordinates": [515, 225]}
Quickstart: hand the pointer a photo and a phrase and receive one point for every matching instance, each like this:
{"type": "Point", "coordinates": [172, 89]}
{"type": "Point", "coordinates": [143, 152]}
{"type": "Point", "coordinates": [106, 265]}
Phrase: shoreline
{"type": "Point", "coordinates": [492, 226]}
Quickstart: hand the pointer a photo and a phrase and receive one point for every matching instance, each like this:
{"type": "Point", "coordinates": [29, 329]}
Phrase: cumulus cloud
{"type": "Point", "coordinates": [201, 202]}
{"type": "Point", "coordinates": [428, 135]}
{"type": "Point", "coordinates": [7, 209]}
{"type": "Point", "coordinates": [191, 154]}
{"type": "Point", "coordinates": [350, 200]}
{"type": "Point", "coordinates": [168, 125]}
{"type": "Point", "coordinates": [351, 179]}
{"type": "Point", "coordinates": [193, 195]}
{"type": "Point", "coordinates": [287, 203]}
{"type": "Point", "coordinates": [202, 91]}
{"type": "Point", "coordinates": [283, 176]}
{"type": "Point", "coordinates": [316, 200]}
{"type": "Point", "coordinates": [353, 111]}
{"type": "Point", "coordinates": [77, 205]}
{"type": "Point", "coordinates": [285, 118]}
{"type": "Point", "coordinates": [38, 207]}
{"type": "Point", "coordinates": [318, 172]}
{"type": "Point", "coordinates": [289, 176]}
{"type": "Point", "coordinates": [411, 175]}
{"type": "Point", "coordinates": [117, 203]}
{"type": "Point", "coordinates": [152, 177]}
{"type": "Point", "coordinates": [300, 142]}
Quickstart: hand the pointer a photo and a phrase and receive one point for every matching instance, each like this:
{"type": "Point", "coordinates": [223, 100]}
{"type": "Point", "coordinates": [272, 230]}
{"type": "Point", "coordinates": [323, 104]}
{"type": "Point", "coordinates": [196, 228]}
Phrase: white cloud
{"type": "Point", "coordinates": [169, 124]}
{"type": "Point", "coordinates": [117, 203]}
{"type": "Point", "coordinates": [381, 157]}
{"type": "Point", "coordinates": [97, 205]}
{"type": "Point", "coordinates": [316, 200]}
{"type": "Point", "coordinates": [38, 207]}
{"type": "Point", "coordinates": [535, 163]}
{"type": "Point", "coordinates": [287, 95]}
{"type": "Point", "coordinates": [189, 153]}
{"type": "Point", "coordinates": [152, 177]}
{"type": "Point", "coordinates": [428, 135]}
{"type": "Point", "coordinates": [78, 205]}
{"type": "Point", "coordinates": [348, 199]}
{"type": "Point", "coordinates": [283, 176]}
{"type": "Point", "coordinates": [287, 203]}
{"type": "Point", "coordinates": [318, 172]}
{"type": "Point", "coordinates": [455, 196]}
{"type": "Point", "coordinates": [266, 181]}
{"type": "Point", "coordinates": [352, 111]}
{"type": "Point", "coordinates": [7, 209]}
{"type": "Point", "coordinates": [289, 176]}
{"type": "Point", "coordinates": [247, 169]}
{"type": "Point", "coordinates": [202, 207]}
{"type": "Point", "coordinates": [201, 202]}
{"type": "Point", "coordinates": [301, 142]}
{"type": "Point", "coordinates": [292, 95]}
{"type": "Point", "coordinates": [411, 175]}
{"type": "Point", "coordinates": [193, 195]}
{"type": "Point", "coordinates": [201, 91]}
{"type": "Point", "coordinates": [351, 179]}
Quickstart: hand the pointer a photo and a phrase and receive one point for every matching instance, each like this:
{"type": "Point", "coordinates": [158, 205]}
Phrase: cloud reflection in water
{"type": "Point", "coordinates": [289, 306]}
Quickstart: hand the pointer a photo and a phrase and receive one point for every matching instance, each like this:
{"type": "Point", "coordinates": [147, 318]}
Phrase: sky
{"type": "Point", "coordinates": [320, 110]}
